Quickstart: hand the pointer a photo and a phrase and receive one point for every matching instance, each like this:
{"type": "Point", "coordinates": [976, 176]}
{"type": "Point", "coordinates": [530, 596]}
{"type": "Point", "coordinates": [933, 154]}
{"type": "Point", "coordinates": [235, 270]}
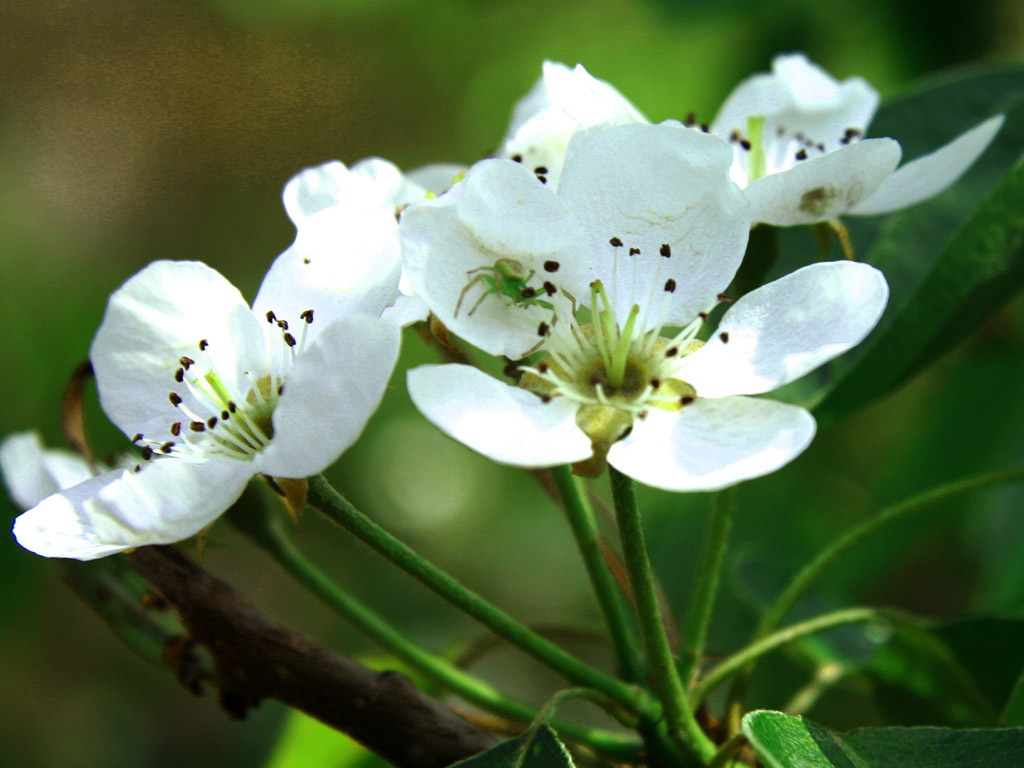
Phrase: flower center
{"type": "Point", "coordinates": [615, 371]}
{"type": "Point", "coordinates": [763, 152]}
{"type": "Point", "coordinates": [223, 415]}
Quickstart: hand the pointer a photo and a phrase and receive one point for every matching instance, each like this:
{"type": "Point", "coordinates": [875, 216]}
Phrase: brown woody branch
{"type": "Point", "coordinates": [258, 658]}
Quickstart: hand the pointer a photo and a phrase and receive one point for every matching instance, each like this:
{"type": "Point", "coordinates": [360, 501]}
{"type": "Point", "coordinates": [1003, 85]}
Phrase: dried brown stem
{"type": "Point", "coordinates": [258, 658]}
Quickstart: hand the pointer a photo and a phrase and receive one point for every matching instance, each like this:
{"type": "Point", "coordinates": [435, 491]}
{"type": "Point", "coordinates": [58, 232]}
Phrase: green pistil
{"type": "Point", "coordinates": [618, 369]}
{"type": "Point", "coordinates": [756, 161]}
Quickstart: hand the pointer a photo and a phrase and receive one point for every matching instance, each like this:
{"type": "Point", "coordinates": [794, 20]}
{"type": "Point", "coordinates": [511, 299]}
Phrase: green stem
{"type": "Point", "coordinates": [709, 571]}
{"type": "Point", "coordinates": [847, 541]}
{"type": "Point", "coordinates": [681, 722]}
{"type": "Point", "coordinates": [584, 527]}
{"type": "Point", "coordinates": [265, 529]}
{"type": "Point", "coordinates": [789, 634]}
{"type": "Point", "coordinates": [839, 547]}
{"type": "Point", "coordinates": [335, 507]}
{"type": "Point", "coordinates": [727, 752]}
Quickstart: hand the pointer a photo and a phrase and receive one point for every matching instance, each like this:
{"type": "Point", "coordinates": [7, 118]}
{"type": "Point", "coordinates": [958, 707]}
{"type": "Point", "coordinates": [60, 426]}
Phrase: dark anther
{"type": "Point", "coordinates": [801, 155]}
{"type": "Point", "coordinates": [655, 383]}
{"type": "Point", "coordinates": [541, 170]}
{"type": "Point", "coordinates": [735, 135]}
{"type": "Point", "coordinates": [686, 399]}
{"type": "Point", "coordinates": [691, 120]}
{"type": "Point", "coordinates": [231, 406]}
{"type": "Point", "coordinates": [307, 316]}
{"type": "Point", "coordinates": [549, 289]}
{"type": "Point", "coordinates": [186, 362]}
{"type": "Point", "coordinates": [705, 127]}
{"type": "Point", "coordinates": [670, 285]}
{"type": "Point", "coordinates": [511, 370]}
{"type": "Point", "coordinates": [147, 453]}
{"type": "Point", "coordinates": [542, 329]}
{"type": "Point", "coordinates": [179, 375]}
{"type": "Point", "coordinates": [702, 315]}
{"type": "Point", "coordinates": [517, 158]}
{"type": "Point", "coordinates": [745, 144]}
{"type": "Point", "coordinates": [289, 340]}
{"type": "Point", "coordinates": [542, 367]}
{"type": "Point", "coordinates": [271, 317]}
{"type": "Point", "coordinates": [224, 415]}
{"type": "Point", "coordinates": [672, 352]}
{"type": "Point", "coordinates": [527, 293]}
{"type": "Point", "coordinates": [138, 436]}
{"type": "Point", "coordinates": [642, 415]}
{"type": "Point", "coordinates": [634, 251]}
{"type": "Point", "coordinates": [282, 324]}
{"type": "Point", "coordinates": [166, 447]}
{"type": "Point", "coordinates": [175, 400]}
{"type": "Point", "coordinates": [280, 390]}
{"type": "Point", "coordinates": [665, 251]}
{"type": "Point", "coordinates": [725, 298]}
{"type": "Point", "coordinates": [542, 179]}
{"type": "Point", "coordinates": [545, 398]}
{"type": "Point", "coordinates": [306, 260]}
{"type": "Point", "coordinates": [211, 422]}
{"type": "Point", "coordinates": [724, 336]}
{"type": "Point", "coordinates": [138, 468]}
{"type": "Point", "coordinates": [176, 428]}
{"type": "Point", "coordinates": [551, 266]}
{"type": "Point", "coordinates": [197, 426]}
{"type": "Point", "coordinates": [203, 344]}
{"type": "Point", "coordinates": [616, 242]}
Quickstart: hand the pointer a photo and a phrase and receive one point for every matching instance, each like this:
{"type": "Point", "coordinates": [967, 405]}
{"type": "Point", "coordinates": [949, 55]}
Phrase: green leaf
{"type": "Point", "coordinates": [783, 741]}
{"type": "Point", "coordinates": [538, 748]}
{"type": "Point", "coordinates": [975, 274]}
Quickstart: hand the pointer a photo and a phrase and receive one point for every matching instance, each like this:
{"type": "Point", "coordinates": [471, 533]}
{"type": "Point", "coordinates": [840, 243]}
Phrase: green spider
{"type": "Point", "coordinates": [506, 278]}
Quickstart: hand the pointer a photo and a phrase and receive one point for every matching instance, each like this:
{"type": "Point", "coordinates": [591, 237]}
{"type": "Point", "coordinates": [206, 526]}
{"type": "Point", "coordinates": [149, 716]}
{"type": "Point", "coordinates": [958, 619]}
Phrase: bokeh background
{"type": "Point", "coordinates": [133, 131]}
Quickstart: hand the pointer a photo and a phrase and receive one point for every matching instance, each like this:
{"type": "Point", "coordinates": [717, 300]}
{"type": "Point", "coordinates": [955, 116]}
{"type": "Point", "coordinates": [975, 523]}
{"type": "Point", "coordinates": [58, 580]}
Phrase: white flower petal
{"type": "Point", "coordinates": [823, 187]}
{"type": "Point", "coordinates": [787, 328]}
{"type": "Point", "coordinates": [712, 444]}
{"type": "Point", "coordinates": [406, 310]}
{"type": "Point", "coordinates": [344, 261]}
{"type": "Point", "coordinates": [659, 189]}
{"type": "Point", "coordinates": [333, 388]}
{"type": "Point", "coordinates": [799, 97]}
{"type": "Point", "coordinates": [312, 190]}
{"type": "Point", "coordinates": [437, 178]}
{"type": "Point", "coordinates": [562, 102]}
{"type": "Point", "coordinates": [928, 175]}
{"type": "Point", "coordinates": [169, 500]}
{"type": "Point", "coordinates": [33, 472]}
{"type": "Point", "coordinates": [498, 212]}
{"type": "Point", "coordinates": [506, 424]}
{"type": "Point", "coordinates": [155, 318]}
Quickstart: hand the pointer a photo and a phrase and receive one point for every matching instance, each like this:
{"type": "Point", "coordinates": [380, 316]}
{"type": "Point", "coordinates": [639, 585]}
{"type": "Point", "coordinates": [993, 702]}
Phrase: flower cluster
{"type": "Point", "coordinates": [591, 252]}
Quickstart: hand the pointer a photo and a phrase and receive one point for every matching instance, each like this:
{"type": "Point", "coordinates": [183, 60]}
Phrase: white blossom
{"type": "Point", "coordinates": [609, 279]}
{"type": "Point", "coordinates": [213, 393]}
{"type": "Point", "coordinates": [562, 102]}
{"type": "Point", "coordinates": [801, 155]}
{"type": "Point", "coordinates": [346, 252]}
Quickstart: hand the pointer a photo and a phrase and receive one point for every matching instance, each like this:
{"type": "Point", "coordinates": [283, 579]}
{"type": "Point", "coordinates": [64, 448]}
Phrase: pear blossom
{"type": "Point", "coordinates": [562, 102]}
{"type": "Point", "coordinates": [346, 253]}
{"type": "Point", "coordinates": [605, 283]}
{"type": "Point", "coordinates": [33, 472]}
{"type": "Point", "coordinates": [213, 393]}
{"type": "Point", "coordinates": [801, 155]}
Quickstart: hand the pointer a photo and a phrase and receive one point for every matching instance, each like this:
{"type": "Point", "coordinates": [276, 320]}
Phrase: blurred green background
{"type": "Point", "coordinates": [133, 131]}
